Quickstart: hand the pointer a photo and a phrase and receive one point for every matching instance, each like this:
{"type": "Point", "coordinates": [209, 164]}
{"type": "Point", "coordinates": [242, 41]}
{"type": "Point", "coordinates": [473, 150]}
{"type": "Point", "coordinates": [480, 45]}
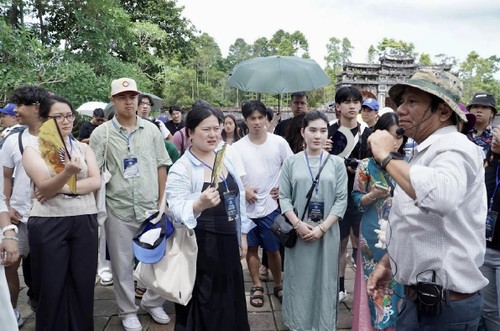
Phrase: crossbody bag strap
{"type": "Point", "coordinates": [315, 182]}
{"type": "Point", "coordinates": [105, 163]}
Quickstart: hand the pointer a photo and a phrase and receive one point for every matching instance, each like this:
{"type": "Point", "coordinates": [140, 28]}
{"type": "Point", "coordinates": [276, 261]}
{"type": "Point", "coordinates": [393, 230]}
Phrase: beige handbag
{"type": "Point", "coordinates": [174, 275]}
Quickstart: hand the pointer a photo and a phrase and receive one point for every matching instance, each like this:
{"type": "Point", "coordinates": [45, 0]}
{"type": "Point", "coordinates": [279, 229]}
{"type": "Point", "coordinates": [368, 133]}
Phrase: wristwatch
{"type": "Point", "coordinates": [391, 156]}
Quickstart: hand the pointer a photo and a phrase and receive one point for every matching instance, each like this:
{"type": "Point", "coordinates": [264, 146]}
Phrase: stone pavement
{"type": "Point", "coordinates": [266, 318]}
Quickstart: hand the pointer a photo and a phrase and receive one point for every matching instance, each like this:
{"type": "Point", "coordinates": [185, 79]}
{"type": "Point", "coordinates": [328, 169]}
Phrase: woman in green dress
{"type": "Point", "coordinates": [311, 266]}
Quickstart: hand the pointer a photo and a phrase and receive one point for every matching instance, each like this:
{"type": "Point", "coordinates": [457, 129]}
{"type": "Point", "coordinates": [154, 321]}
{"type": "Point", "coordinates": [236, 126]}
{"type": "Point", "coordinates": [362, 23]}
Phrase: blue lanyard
{"type": "Point", "coordinates": [310, 171]}
{"type": "Point", "coordinates": [497, 183]}
{"type": "Point", "coordinates": [212, 169]}
{"type": "Point", "coordinates": [124, 136]}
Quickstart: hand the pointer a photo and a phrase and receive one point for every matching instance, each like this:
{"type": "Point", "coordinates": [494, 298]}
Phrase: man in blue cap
{"type": "Point", "coordinates": [369, 112]}
{"type": "Point", "coordinates": [8, 120]}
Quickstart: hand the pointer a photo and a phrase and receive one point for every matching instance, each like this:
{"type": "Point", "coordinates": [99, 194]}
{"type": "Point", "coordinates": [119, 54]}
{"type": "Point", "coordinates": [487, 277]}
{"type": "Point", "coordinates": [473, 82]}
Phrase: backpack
{"type": "Point", "coordinates": [20, 130]}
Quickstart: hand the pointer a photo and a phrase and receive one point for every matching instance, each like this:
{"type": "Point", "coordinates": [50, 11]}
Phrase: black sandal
{"type": "Point", "coordinates": [277, 294]}
{"type": "Point", "coordinates": [254, 296]}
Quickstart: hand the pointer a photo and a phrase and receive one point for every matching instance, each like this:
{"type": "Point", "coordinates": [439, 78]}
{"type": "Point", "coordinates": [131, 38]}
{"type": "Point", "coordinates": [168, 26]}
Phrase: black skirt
{"type": "Point", "coordinates": [218, 302]}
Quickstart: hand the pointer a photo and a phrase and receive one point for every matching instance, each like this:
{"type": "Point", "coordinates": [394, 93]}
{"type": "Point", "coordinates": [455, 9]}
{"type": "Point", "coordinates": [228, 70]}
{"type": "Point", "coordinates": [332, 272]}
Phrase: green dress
{"type": "Point", "coordinates": [310, 284]}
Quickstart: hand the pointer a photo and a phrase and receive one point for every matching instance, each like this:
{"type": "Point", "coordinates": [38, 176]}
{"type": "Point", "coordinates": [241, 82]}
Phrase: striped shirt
{"type": "Point", "coordinates": [443, 228]}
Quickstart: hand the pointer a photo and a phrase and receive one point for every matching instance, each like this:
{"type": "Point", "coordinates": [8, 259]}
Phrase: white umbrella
{"type": "Point", "coordinates": [88, 107]}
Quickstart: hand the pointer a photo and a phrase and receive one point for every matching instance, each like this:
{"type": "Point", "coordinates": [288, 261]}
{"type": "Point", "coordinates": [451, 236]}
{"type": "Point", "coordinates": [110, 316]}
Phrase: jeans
{"type": "Point", "coordinates": [491, 293]}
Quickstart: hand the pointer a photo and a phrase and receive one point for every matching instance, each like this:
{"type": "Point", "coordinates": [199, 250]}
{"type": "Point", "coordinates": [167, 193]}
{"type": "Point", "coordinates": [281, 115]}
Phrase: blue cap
{"type": "Point", "coordinates": [152, 253]}
{"type": "Point", "coordinates": [371, 103]}
{"type": "Point", "coordinates": [8, 109]}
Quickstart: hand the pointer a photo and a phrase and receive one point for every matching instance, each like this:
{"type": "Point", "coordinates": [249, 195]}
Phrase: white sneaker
{"type": "Point", "coordinates": [106, 278]}
{"type": "Point", "coordinates": [343, 296]}
{"type": "Point", "coordinates": [158, 314]}
{"type": "Point", "coordinates": [20, 320]}
{"type": "Point", "coordinates": [131, 324]}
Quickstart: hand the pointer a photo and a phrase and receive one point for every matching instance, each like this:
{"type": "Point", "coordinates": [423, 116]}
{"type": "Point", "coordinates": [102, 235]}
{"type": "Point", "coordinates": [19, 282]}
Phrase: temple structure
{"type": "Point", "coordinates": [375, 80]}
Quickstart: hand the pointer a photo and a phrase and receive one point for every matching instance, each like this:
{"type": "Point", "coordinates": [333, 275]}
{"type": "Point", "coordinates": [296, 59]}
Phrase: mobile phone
{"type": "Point", "coordinates": [381, 187]}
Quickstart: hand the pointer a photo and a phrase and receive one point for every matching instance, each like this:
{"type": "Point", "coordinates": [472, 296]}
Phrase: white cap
{"type": "Point", "coordinates": [121, 85]}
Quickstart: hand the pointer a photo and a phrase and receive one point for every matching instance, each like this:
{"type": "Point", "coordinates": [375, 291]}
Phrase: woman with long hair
{"type": "Point", "coordinates": [310, 289]}
{"type": "Point", "coordinates": [230, 132]}
{"type": "Point", "coordinates": [62, 227]}
{"type": "Point", "coordinates": [372, 192]}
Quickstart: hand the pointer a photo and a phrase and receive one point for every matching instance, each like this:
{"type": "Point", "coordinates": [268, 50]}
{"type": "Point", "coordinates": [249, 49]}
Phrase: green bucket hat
{"type": "Point", "coordinates": [439, 83]}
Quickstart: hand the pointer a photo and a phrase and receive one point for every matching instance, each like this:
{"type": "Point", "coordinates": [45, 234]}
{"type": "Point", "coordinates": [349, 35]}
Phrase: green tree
{"type": "Point", "coordinates": [478, 74]}
{"type": "Point", "coordinates": [425, 59]}
{"type": "Point", "coordinates": [372, 53]}
{"type": "Point", "coordinates": [338, 54]}
{"type": "Point", "coordinates": [239, 51]}
{"type": "Point", "coordinates": [262, 47]}
{"type": "Point", "coordinates": [289, 44]}
{"type": "Point", "coordinates": [395, 47]}
{"type": "Point", "coordinates": [168, 18]}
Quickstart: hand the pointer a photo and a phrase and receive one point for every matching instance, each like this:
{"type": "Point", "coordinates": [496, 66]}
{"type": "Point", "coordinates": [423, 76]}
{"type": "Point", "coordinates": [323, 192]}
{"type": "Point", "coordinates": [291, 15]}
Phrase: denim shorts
{"type": "Point", "coordinates": [261, 235]}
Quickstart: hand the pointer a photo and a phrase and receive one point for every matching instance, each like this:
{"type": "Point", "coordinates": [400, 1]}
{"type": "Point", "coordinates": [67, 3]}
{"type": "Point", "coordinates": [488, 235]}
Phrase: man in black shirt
{"type": "Point", "coordinates": [347, 139]}
{"type": "Point", "coordinates": [86, 129]}
{"type": "Point", "coordinates": [176, 123]}
{"type": "Point", "coordinates": [299, 106]}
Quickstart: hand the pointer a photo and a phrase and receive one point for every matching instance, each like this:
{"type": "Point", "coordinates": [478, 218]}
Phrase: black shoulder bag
{"type": "Point", "coordinates": [282, 228]}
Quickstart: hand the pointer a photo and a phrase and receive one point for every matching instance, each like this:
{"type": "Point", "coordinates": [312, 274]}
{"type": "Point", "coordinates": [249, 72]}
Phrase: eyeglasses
{"type": "Point", "coordinates": [60, 118]}
{"type": "Point", "coordinates": [100, 120]}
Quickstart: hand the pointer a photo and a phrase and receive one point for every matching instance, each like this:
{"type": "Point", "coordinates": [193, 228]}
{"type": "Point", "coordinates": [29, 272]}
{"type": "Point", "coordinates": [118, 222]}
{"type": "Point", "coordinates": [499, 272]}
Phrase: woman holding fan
{"type": "Point", "coordinates": [208, 196]}
{"type": "Point", "coordinates": [62, 225]}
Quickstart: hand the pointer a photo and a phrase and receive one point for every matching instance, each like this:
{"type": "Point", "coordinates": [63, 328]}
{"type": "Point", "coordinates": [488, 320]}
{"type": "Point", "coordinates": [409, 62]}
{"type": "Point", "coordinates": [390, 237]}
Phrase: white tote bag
{"type": "Point", "coordinates": [105, 178]}
{"type": "Point", "coordinates": [174, 275]}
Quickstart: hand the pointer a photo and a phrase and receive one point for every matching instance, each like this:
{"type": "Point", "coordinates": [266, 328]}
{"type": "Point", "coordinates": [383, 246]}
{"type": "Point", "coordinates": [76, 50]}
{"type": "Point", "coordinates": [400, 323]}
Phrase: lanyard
{"type": "Point", "coordinates": [212, 169]}
{"type": "Point", "coordinates": [123, 134]}
{"type": "Point", "coordinates": [497, 183]}
{"type": "Point", "coordinates": [309, 168]}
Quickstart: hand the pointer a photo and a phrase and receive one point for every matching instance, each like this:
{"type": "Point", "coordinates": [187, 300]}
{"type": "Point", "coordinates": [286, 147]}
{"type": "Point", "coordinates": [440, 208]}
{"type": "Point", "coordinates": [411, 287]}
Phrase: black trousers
{"type": "Point", "coordinates": [63, 266]}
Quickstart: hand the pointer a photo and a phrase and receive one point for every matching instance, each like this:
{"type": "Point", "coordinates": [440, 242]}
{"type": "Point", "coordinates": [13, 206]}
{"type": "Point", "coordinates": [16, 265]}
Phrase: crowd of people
{"type": "Point", "coordinates": [415, 190]}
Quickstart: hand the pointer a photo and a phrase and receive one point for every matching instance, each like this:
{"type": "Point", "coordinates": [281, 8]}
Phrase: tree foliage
{"type": "Point", "coordinates": [76, 48]}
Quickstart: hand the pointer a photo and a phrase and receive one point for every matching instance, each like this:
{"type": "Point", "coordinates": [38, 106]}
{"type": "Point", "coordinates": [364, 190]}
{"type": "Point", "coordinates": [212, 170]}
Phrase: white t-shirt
{"type": "Point", "coordinates": [262, 165]}
{"type": "Point", "coordinates": [11, 158]}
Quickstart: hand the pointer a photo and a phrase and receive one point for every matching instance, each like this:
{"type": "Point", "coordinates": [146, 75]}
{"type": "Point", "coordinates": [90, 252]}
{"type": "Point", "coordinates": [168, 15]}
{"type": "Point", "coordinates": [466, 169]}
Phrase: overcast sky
{"type": "Point", "coordinates": [452, 27]}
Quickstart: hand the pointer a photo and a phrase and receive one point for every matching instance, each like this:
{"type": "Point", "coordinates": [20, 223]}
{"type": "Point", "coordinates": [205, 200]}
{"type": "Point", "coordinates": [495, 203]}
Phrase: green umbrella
{"type": "Point", "coordinates": [278, 75]}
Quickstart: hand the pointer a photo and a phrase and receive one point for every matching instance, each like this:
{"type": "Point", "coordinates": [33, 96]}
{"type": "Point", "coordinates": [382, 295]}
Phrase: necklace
{"type": "Point", "coordinates": [315, 165]}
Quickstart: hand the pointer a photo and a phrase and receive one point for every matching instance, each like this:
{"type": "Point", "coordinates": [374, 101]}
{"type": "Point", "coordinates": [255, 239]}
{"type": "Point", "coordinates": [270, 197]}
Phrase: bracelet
{"type": "Point", "coordinates": [11, 238]}
{"type": "Point", "coordinates": [322, 228]}
{"type": "Point", "coordinates": [9, 227]}
{"type": "Point", "coordinates": [296, 225]}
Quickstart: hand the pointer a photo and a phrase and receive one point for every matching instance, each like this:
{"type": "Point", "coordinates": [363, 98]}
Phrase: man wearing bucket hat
{"type": "Point", "coordinates": [484, 107]}
{"type": "Point", "coordinates": [137, 160]}
{"type": "Point", "coordinates": [436, 243]}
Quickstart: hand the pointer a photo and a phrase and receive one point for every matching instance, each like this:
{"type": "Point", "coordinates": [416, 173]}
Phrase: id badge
{"type": "Point", "coordinates": [231, 209]}
{"type": "Point", "coordinates": [130, 167]}
{"type": "Point", "coordinates": [491, 220]}
{"type": "Point", "coordinates": [315, 211]}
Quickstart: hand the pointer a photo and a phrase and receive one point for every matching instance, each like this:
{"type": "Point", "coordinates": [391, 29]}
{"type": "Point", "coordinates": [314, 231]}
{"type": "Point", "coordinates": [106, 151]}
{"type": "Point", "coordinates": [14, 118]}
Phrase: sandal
{"type": "Point", "coordinates": [254, 296]}
{"type": "Point", "coordinates": [278, 293]}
